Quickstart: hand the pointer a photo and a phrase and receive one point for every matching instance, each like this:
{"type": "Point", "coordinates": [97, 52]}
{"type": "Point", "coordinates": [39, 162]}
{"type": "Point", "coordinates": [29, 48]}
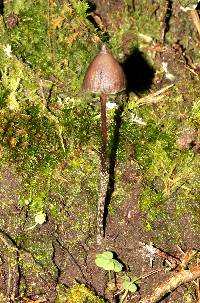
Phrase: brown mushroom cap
{"type": "Point", "coordinates": [104, 74]}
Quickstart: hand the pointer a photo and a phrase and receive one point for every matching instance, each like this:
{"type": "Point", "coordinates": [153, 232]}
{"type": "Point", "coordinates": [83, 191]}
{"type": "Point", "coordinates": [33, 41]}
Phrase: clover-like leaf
{"type": "Point", "coordinates": [126, 279]}
{"type": "Point", "coordinates": [129, 283]}
{"type": "Point", "coordinates": [132, 287]}
{"type": "Point", "coordinates": [106, 261]}
{"type": "Point", "coordinates": [117, 266]}
{"type": "Point", "coordinates": [106, 264]}
{"type": "Point", "coordinates": [105, 255]}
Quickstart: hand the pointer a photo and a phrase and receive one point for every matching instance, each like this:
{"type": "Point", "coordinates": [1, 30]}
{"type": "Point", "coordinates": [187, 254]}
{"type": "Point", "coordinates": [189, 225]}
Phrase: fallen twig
{"type": "Point", "coordinates": [177, 279]}
{"type": "Point", "coordinates": [195, 19]}
{"type": "Point", "coordinates": [187, 258]}
{"type": "Point", "coordinates": [183, 275]}
{"type": "Point", "coordinates": [154, 97]}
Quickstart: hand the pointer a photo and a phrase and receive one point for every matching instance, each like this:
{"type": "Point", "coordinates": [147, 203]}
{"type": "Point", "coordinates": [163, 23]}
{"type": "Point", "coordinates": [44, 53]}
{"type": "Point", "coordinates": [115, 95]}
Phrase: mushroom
{"type": "Point", "coordinates": [104, 76]}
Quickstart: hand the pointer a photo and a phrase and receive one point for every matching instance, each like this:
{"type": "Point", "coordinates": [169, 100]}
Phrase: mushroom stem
{"type": "Point", "coordinates": [103, 177]}
{"type": "Point", "coordinates": [103, 134]}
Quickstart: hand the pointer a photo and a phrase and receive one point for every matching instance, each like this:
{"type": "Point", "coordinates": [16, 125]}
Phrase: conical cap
{"type": "Point", "coordinates": [104, 74]}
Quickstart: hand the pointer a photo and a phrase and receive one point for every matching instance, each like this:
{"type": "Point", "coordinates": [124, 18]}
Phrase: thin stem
{"type": "Point", "coordinates": [148, 275]}
{"type": "Point", "coordinates": [109, 276]}
{"type": "Point", "coordinates": [103, 177]}
{"type": "Point", "coordinates": [103, 134]}
{"type": "Point", "coordinates": [124, 296]}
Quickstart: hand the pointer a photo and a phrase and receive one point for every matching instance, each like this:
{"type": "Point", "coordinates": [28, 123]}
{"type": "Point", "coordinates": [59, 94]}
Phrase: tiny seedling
{"type": "Point", "coordinates": [129, 285]}
{"type": "Point", "coordinates": [107, 262]}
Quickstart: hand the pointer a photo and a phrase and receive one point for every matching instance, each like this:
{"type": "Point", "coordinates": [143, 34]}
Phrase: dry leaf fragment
{"type": "Point", "coordinates": [57, 22]}
{"type": "Point", "coordinates": [72, 39]}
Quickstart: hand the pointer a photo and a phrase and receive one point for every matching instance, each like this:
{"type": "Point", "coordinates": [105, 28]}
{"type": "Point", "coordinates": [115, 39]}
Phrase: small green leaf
{"type": "Point", "coordinates": [105, 264]}
{"type": "Point", "coordinates": [126, 284]}
{"type": "Point", "coordinates": [110, 265]}
{"type": "Point", "coordinates": [132, 287]}
{"type": "Point", "coordinates": [129, 283]}
{"type": "Point", "coordinates": [126, 279]}
{"type": "Point", "coordinates": [117, 266]}
{"type": "Point", "coordinates": [107, 255]}
{"type": "Point", "coordinates": [106, 261]}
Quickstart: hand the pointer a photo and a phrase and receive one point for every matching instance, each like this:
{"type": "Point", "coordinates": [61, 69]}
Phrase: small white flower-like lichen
{"type": "Point", "coordinates": [40, 218]}
{"type": "Point", "coordinates": [149, 251]}
{"type": "Point", "coordinates": [8, 51]}
{"type": "Point", "coordinates": [168, 75]}
{"type": "Point", "coordinates": [110, 105]}
{"type": "Point", "coordinates": [138, 120]}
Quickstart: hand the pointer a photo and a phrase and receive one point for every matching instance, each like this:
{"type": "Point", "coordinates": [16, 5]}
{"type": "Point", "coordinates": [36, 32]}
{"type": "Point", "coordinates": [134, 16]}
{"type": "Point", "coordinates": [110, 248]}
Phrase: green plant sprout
{"type": "Point", "coordinates": [129, 284]}
{"type": "Point", "coordinates": [106, 261]}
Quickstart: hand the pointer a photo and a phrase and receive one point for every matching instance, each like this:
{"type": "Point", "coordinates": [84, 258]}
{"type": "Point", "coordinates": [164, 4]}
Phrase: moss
{"type": "Point", "coordinates": [81, 294]}
{"type": "Point", "coordinates": [48, 131]}
{"type": "Point", "coordinates": [53, 38]}
{"type": "Point", "coordinates": [36, 255]}
{"type": "Point", "coordinates": [169, 172]}
{"type": "Point", "coordinates": [148, 24]}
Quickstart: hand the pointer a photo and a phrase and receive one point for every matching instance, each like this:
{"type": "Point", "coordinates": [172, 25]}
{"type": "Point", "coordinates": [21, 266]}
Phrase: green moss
{"type": "Point", "coordinates": [47, 130]}
{"type": "Point", "coordinates": [37, 255]}
{"type": "Point", "coordinates": [81, 294]}
{"type": "Point", "coordinates": [170, 173]}
{"type": "Point", "coordinates": [53, 38]}
{"type": "Point", "coordinates": [148, 24]}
